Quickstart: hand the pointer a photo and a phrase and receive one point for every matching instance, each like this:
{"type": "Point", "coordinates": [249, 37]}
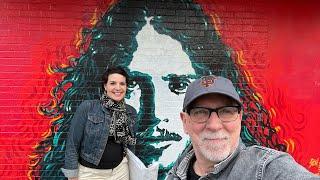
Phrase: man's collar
{"type": "Point", "coordinates": [223, 164]}
{"type": "Point", "coordinates": [189, 153]}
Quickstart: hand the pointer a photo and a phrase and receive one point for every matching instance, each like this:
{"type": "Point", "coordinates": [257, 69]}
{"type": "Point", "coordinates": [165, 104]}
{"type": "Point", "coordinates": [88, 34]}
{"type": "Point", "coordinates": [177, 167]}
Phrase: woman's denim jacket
{"type": "Point", "coordinates": [88, 134]}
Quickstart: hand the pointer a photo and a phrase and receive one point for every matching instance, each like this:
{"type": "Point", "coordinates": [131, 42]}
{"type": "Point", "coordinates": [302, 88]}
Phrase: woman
{"type": "Point", "coordinates": [100, 132]}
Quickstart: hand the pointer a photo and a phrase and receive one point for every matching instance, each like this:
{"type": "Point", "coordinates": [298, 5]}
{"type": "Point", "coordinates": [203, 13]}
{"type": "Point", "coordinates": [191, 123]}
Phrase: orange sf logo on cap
{"type": "Point", "coordinates": [207, 81]}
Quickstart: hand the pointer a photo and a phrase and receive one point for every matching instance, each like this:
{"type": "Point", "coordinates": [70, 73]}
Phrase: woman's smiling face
{"type": "Point", "coordinates": [116, 86]}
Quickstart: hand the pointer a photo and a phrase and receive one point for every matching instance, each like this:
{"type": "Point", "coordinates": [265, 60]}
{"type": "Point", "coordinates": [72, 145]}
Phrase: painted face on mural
{"type": "Point", "coordinates": [161, 60]}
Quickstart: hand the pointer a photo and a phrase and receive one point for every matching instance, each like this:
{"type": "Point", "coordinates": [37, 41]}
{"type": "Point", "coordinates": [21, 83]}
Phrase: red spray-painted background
{"type": "Point", "coordinates": [282, 64]}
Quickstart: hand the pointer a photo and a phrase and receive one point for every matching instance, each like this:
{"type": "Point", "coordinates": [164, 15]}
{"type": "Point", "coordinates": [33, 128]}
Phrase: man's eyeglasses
{"type": "Point", "coordinates": [225, 113]}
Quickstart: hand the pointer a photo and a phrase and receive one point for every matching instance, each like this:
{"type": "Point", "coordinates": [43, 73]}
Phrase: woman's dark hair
{"type": "Point", "coordinates": [113, 70]}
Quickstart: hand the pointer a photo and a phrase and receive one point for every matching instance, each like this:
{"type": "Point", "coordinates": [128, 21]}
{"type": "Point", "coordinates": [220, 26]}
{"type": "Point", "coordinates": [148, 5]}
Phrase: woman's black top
{"type": "Point", "coordinates": [111, 157]}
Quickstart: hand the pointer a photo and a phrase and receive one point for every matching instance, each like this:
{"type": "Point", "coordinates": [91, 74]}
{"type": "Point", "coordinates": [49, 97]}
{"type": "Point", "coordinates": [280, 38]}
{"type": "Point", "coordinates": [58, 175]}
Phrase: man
{"type": "Point", "coordinates": [212, 113]}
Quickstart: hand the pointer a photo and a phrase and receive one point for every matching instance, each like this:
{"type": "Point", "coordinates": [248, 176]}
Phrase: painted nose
{"type": "Point", "coordinates": [214, 123]}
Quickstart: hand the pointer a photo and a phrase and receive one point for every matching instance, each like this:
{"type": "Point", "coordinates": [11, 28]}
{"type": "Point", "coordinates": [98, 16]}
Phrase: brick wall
{"type": "Point", "coordinates": [271, 47]}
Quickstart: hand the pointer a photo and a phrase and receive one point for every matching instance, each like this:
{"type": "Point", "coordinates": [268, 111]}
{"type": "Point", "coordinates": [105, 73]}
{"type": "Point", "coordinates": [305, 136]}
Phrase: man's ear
{"type": "Point", "coordinates": [183, 117]}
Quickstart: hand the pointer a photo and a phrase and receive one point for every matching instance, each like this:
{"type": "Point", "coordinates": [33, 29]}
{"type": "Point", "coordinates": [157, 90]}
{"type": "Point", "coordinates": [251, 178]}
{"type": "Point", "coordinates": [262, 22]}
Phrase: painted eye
{"type": "Point", "coordinates": [138, 81]}
{"type": "Point", "coordinates": [130, 89]}
{"type": "Point", "coordinates": [177, 84]}
{"type": "Point", "coordinates": [132, 84]}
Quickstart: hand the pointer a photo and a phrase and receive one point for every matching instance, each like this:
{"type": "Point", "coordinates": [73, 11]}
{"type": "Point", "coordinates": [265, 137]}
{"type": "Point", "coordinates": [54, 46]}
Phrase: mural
{"type": "Point", "coordinates": [159, 77]}
{"type": "Point", "coordinates": [164, 46]}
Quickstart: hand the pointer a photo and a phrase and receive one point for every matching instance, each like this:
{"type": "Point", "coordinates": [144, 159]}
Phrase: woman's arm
{"type": "Point", "coordinates": [74, 139]}
{"type": "Point", "coordinates": [132, 113]}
